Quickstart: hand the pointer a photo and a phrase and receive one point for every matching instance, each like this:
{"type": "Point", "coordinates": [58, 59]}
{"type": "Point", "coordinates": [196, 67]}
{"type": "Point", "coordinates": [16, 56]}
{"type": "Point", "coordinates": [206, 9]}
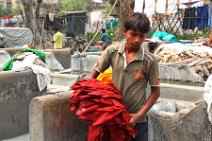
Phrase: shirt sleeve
{"type": "Point", "coordinates": [153, 74]}
{"type": "Point", "coordinates": [103, 62]}
{"type": "Point", "coordinates": [56, 37]}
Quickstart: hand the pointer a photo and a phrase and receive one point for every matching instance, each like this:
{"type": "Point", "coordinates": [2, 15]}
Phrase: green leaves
{"type": "Point", "coordinates": [73, 5]}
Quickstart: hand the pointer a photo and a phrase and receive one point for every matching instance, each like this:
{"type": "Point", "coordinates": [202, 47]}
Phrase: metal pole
{"type": "Point", "coordinates": [100, 27]}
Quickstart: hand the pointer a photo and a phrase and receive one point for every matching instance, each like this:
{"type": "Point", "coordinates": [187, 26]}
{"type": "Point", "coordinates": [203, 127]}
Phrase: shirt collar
{"type": "Point", "coordinates": [139, 54]}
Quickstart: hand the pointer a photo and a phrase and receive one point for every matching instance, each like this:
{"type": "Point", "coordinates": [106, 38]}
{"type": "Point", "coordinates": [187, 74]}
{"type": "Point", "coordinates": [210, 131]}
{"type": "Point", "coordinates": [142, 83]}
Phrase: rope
{"type": "Point", "coordinates": [100, 27]}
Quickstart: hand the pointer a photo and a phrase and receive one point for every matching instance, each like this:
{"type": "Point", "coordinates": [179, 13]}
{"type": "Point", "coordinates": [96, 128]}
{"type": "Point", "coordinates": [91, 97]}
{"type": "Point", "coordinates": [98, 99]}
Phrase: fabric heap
{"type": "Point", "coordinates": [15, 36]}
{"type": "Point", "coordinates": [106, 76]}
{"type": "Point", "coordinates": [101, 104]}
{"type": "Point", "coordinates": [9, 64]}
{"type": "Point", "coordinates": [30, 59]}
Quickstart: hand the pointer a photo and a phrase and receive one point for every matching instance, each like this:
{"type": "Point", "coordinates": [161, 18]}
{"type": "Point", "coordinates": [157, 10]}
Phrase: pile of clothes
{"type": "Point", "coordinates": [100, 104]}
{"type": "Point", "coordinates": [30, 59]}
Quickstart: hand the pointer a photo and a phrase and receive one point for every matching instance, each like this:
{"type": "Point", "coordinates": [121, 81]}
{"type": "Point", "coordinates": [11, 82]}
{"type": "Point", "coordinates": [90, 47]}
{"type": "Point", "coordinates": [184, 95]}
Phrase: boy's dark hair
{"type": "Point", "coordinates": [103, 30]}
{"type": "Point", "coordinates": [55, 28]}
{"type": "Point", "coordinates": [137, 21]}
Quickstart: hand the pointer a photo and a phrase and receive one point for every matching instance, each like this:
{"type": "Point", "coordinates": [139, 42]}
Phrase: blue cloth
{"type": "Point", "coordinates": [142, 129]}
{"type": "Point", "coordinates": [105, 38]}
{"type": "Point", "coordinates": [189, 18]}
{"type": "Point", "coordinates": [164, 36]}
{"type": "Point", "coordinates": [210, 14]}
{"type": "Point", "coordinates": [202, 17]}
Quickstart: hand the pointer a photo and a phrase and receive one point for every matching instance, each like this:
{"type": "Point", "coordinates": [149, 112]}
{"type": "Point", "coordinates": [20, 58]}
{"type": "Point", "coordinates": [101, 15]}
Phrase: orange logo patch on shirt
{"type": "Point", "coordinates": [138, 74]}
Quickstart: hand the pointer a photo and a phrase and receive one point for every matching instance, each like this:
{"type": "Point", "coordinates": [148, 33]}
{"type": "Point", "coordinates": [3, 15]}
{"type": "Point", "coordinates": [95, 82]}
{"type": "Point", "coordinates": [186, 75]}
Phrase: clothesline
{"type": "Point", "coordinates": [151, 7]}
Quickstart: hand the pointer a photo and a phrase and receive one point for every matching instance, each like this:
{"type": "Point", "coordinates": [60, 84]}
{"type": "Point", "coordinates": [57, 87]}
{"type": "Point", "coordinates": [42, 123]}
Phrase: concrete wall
{"type": "Point", "coordinates": [181, 92]}
{"type": "Point", "coordinates": [52, 120]}
{"type": "Point", "coordinates": [12, 51]}
{"type": "Point", "coordinates": [188, 123]}
{"type": "Point", "coordinates": [16, 91]}
{"type": "Point", "coordinates": [179, 73]}
{"type": "Point", "coordinates": [62, 55]}
{"type": "Point", "coordinates": [64, 79]}
{"type": "Point", "coordinates": [84, 62]}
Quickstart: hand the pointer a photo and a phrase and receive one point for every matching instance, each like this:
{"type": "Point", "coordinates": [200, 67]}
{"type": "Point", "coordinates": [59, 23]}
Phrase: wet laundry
{"type": "Point", "coordinates": [101, 104]}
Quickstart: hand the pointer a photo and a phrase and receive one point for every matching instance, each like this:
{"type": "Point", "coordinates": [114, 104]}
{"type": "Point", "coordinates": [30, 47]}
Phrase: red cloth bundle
{"type": "Point", "coordinates": [94, 101]}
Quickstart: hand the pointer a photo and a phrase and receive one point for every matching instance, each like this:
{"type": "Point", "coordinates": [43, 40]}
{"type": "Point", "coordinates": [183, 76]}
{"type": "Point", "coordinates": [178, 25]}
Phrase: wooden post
{"type": "Point", "coordinates": [41, 37]}
{"type": "Point", "coordinates": [166, 8]}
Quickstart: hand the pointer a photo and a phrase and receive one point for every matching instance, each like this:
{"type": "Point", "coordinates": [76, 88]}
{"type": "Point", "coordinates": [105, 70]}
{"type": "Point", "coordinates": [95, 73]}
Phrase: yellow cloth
{"type": "Point", "coordinates": [106, 76]}
{"type": "Point", "coordinates": [58, 38]}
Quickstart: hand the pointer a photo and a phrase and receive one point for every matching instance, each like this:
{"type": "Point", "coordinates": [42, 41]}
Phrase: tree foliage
{"type": "Point", "coordinates": [123, 9]}
{"type": "Point", "coordinates": [5, 11]}
{"type": "Point", "coordinates": [74, 5]}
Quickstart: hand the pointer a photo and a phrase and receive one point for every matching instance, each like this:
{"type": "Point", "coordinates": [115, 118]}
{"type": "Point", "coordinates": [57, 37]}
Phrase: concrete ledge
{"type": "Point", "coordinates": [12, 51]}
{"type": "Point", "coordinates": [179, 72]}
{"type": "Point", "coordinates": [52, 120]}
{"type": "Point", "coordinates": [181, 92]}
{"type": "Point", "coordinates": [63, 79]}
{"type": "Point", "coordinates": [188, 124]}
{"type": "Point", "coordinates": [62, 55]}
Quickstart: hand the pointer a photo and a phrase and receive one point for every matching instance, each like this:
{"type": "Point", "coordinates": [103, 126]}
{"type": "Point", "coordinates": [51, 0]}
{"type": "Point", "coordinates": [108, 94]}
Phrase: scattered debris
{"type": "Point", "coordinates": [198, 58]}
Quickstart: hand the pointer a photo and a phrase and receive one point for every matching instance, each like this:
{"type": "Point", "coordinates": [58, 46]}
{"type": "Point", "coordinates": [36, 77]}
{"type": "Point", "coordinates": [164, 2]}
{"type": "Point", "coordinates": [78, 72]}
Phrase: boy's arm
{"type": "Point", "coordinates": [155, 93]}
{"type": "Point", "coordinates": [94, 74]}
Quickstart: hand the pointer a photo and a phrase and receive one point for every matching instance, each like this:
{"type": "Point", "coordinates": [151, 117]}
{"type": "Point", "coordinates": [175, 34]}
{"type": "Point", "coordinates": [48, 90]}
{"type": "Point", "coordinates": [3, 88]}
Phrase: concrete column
{"type": "Point", "coordinates": [51, 120]}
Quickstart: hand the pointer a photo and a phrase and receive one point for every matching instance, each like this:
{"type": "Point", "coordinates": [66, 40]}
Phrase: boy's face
{"type": "Point", "coordinates": [134, 38]}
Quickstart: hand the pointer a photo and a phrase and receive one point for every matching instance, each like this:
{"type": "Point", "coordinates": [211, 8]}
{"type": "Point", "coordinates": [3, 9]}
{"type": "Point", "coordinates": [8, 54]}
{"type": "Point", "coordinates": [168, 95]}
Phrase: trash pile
{"type": "Point", "coordinates": [198, 58]}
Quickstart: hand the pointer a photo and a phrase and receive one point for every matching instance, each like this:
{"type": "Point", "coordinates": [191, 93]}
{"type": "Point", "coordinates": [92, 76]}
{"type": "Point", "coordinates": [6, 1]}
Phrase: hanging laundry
{"type": "Point", "coordinates": [101, 104]}
{"type": "Point", "coordinates": [51, 17]}
{"type": "Point", "coordinates": [106, 76]}
{"type": "Point", "coordinates": [172, 6]}
{"type": "Point", "coordinates": [161, 6]}
{"type": "Point", "coordinates": [149, 8]}
{"type": "Point", "coordinates": [210, 14]}
{"type": "Point", "coordinates": [202, 17]}
{"type": "Point", "coordinates": [138, 6]}
{"type": "Point", "coordinates": [189, 19]}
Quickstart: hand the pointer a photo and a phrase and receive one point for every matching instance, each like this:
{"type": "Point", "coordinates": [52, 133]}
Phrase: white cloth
{"type": "Point", "coordinates": [51, 17]}
{"type": "Point", "coordinates": [138, 6]}
{"type": "Point", "coordinates": [172, 6]}
{"type": "Point", "coordinates": [26, 63]}
{"type": "Point", "coordinates": [192, 4]}
{"type": "Point", "coordinates": [42, 73]}
{"type": "Point", "coordinates": [160, 6]}
{"type": "Point", "coordinates": [43, 76]}
{"type": "Point", "coordinates": [208, 97]}
{"type": "Point", "coordinates": [149, 8]}
{"type": "Point", "coordinates": [97, 1]}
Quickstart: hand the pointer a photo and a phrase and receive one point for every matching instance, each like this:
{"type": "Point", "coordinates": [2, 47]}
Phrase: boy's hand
{"type": "Point", "coordinates": [134, 119]}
